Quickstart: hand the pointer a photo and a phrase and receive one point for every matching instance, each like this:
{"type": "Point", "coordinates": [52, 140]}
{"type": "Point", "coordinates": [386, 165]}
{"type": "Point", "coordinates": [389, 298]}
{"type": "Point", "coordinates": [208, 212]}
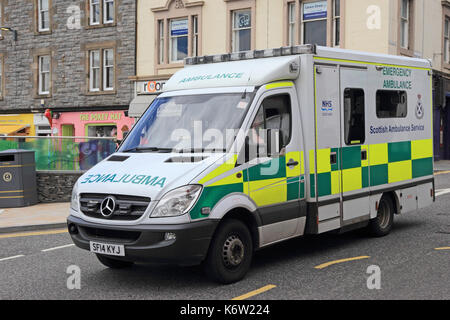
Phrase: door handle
{"type": "Point", "coordinates": [364, 155]}
{"type": "Point", "coordinates": [292, 163]}
{"type": "Point", "coordinates": [333, 158]}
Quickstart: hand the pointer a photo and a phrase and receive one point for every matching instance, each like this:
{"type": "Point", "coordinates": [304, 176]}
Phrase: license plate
{"type": "Point", "coordinates": [108, 249]}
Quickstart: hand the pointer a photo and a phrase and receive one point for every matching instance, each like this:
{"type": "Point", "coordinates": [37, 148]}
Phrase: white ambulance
{"type": "Point", "coordinates": [244, 150]}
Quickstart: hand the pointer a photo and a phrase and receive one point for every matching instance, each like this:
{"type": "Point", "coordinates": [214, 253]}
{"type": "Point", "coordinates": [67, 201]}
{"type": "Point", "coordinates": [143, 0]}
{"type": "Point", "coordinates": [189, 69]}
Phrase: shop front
{"type": "Point", "coordinates": [146, 91]}
{"type": "Point", "coordinates": [92, 124]}
{"type": "Point", "coordinates": [17, 125]}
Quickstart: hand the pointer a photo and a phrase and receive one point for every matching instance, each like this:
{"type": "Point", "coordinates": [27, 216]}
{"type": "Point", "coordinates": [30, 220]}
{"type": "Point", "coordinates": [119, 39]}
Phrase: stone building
{"type": "Point", "coordinates": [73, 57]}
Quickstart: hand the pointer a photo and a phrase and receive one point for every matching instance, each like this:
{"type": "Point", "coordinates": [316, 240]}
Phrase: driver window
{"type": "Point", "coordinates": [275, 115]}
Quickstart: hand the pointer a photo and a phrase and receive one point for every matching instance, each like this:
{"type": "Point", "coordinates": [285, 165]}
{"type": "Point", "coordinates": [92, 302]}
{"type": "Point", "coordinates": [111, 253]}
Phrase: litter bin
{"type": "Point", "coordinates": [17, 179]}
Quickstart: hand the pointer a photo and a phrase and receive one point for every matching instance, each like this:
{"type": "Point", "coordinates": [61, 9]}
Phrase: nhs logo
{"type": "Point", "coordinates": [327, 108]}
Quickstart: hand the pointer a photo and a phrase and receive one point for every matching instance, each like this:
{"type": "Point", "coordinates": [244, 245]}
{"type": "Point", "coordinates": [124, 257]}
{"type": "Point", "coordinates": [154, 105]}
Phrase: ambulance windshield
{"type": "Point", "coordinates": [190, 123]}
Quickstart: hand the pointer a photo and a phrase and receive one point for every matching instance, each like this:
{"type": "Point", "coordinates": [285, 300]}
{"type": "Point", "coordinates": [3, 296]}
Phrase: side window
{"type": "Point", "coordinates": [275, 115]}
{"type": "Point", "coordinates": [392, 104]}
{"type": "Point", "coordinates": [354, 123]}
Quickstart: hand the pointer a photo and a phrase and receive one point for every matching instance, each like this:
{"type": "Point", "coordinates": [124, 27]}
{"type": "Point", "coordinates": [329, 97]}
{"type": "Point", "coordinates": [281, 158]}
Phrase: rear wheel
{"type": "Point", "coordinates": [114, 263]}
{"type": "Point", "coordinates": [230, 254]}
{"type": "Point", "coordinates": [382, 224]}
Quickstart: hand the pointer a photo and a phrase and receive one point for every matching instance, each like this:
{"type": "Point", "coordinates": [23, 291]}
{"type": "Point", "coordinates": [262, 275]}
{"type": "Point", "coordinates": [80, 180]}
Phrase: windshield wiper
{"type": "Point", "coordinates": [148, 149]}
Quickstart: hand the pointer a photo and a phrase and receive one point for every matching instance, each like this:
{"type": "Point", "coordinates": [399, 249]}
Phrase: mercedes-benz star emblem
{"type": "Point", "coordinates": [108, 206]}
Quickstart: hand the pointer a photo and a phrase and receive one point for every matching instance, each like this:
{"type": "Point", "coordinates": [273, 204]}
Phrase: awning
{"type": "Point", "coordinates": [6, 130]}
{"type": "Point", "coordinates": [139, 105]}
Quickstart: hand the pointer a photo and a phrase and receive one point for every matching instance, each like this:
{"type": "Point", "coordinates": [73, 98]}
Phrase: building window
{"type": "Point", "coordinates": [44, 75]}
{"type": "Point", "coordinates": [43, 16]}
{"type": "Point", "coordinates": [178, 40]}
{"type": "Point", "coordinates": [101, 12]}
{"type": "Point", "coordinates": [446, 40]}
{"type": "Point", "coordinates": [101, 70]}
{"type": "Point", "coordinates": [291, 23]}
{"type": "Point", "coordinates": [108, 69]}
{"type": "Point", "coordinates": [179, 33]}
{"type": "Point", "coordinates": [314, 22]}
{"type": "Point", "coordinates": [94, 11]}
{"type": "Point", "coordinates": [161, 41]}
{"type": "Point", "coordinates": [94, 71]}
{"type": "Point", "coordinates": [195, 36]}
{"type": "Point", "coordinates": [108, 11]}
{"type": "Point", "coordinates": [337, 23]}
{"type": "Point", "coordinates": [404, 24]}
{"type": "Point", "coordinates": [354, 119]}
{"type": "Point", "coordinates": [241, 30]}
{"type": "Point", "coordinates": [1, 77]}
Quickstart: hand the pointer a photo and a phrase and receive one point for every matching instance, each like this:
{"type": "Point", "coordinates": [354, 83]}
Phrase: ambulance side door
{"type": "Point", "coordinates": [354, 152]}
{"type": "Point", "coordinates": [275, 174]}
{"type": "Point", "coordinates": [328, 144]}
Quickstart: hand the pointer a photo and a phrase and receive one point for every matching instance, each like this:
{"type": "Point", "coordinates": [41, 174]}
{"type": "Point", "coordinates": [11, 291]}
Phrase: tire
{"type": "Point", "coordinates": [230, 253]}
{"type": "Point", "coordinates": [382, 224]}
{"type": "Point", "coordinates": [114, 263]}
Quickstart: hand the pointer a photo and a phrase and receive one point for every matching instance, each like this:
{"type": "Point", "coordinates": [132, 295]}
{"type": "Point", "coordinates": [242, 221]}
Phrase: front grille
{"type": "Point", "coordinates": [110, 235]}
{"type": "Point", "coordinates": [128, 208]}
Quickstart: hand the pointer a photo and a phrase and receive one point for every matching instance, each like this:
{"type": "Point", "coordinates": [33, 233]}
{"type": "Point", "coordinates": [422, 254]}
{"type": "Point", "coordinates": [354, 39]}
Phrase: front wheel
{"type": "Point", "coordinates": [114, 263]}
{"type": "Point", "coordinates": [382, 224]}
{"type": "Point", "coordinates": [230, 254]}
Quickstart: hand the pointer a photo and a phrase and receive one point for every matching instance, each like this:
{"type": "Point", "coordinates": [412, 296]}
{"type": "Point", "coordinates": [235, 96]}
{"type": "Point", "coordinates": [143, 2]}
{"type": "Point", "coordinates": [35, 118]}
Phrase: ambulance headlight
{"type": "Point", "coordinates": [177, 202]}
{"type": "Point", "coordinates": [74, 203]}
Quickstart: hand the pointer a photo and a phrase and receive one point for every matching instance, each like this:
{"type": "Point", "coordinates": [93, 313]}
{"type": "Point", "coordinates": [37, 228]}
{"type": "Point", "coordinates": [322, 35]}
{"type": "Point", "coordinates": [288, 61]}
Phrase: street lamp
{"type": "Point", "coordinates": [11, 30]}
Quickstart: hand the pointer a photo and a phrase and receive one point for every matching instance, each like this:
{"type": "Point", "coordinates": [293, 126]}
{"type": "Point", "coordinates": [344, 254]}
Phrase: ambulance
{"type": "Point", "coordinates": [244, 150]}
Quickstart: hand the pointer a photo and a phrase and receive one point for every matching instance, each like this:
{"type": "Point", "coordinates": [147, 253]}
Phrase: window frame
{"type": "Point", "coordinates": [2, 76]}
{"type": "Point", "coordinates": [360, 142]}
{"type": "Point", "coordinates": [262, 107]}
{"type": "Point", "coordinates": [195, 36]}
{"type": "Point", "coordinates": [106, 67]}
{"type": "Point", "coordinates": [105, 2]}
{"type": "Point", "coordinates": [446, 33]}
{"type": "Point", "coordinates": [1, 18]}
{"type": "Point", "coordinates": [336, 22]}
{"type": "Point", "coordinates": [404, 20]}
{"type": "Point", "coordinates": [409, 49]}
{"type": "Point", "coordinates": [102, 7]}
{"type": "Point", "coordinates": [38, 18]}
{"type": "Point", "coordinates": [291, 23]}
{"type": "Point", "coordinates": [41, 91]}
{"type": "Point", "coordinates": [390, 117]}
{"type": "Point", "coordinates": [235, 30]}
{"type": "Point", "coordinates": [171, 38]}
{"type": "Point", "coordinates": [40, 13]}
{"type": "Point", "coordinates": [102, 69]}
{"type": "Point", "coordinates": [92, 69]}
{"type": "Point", "coordinates": [162, 16]}
{"type": "Point", "coordinates": [445, 15]}
{"type": "Point", "coordinates": [233, 5]}
{"type": "Point", "coordinates": [302, 22]}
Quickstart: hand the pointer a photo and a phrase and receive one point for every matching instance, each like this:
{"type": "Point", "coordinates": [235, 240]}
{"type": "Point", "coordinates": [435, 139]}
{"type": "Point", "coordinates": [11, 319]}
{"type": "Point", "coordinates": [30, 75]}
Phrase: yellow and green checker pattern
{"type": "Point", "coordinates": [266, 183]}
{"type": "Point", "coordinates": [385, 163]}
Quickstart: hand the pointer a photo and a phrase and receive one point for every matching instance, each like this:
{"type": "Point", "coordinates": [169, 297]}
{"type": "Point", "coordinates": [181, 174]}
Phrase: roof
{"type": "Point", "coordinates": [375, 58]}
{"type": "Point", "coordinates": [253, 72]}
{"type": "Point", "coordinates": [258, 67]}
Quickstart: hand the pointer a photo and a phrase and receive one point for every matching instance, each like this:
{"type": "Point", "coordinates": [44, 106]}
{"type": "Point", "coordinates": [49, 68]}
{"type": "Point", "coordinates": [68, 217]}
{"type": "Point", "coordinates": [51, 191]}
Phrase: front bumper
{"type": "Point", "coordinates": [146, 243]}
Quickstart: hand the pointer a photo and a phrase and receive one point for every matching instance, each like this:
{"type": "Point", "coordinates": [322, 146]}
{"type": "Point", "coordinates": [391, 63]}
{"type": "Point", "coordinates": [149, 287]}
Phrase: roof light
{"type": "Point", "coordinates": [252, 54]}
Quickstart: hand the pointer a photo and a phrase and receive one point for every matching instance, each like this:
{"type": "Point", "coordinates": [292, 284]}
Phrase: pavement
{"type": "Point", "coordinates": [53, 216]}
{"type": "Point", "coordinates": [42, 216]}
{"type": "Point", "coordinates": [443, 165]}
